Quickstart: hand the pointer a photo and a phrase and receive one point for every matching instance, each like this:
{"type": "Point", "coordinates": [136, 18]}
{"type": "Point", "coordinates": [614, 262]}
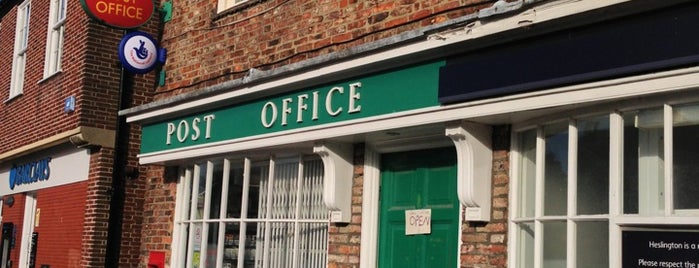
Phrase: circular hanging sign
{"type": "Point", "coordinates": [138, 52]}
{"type": "Point", "coordinates": [123, 14]}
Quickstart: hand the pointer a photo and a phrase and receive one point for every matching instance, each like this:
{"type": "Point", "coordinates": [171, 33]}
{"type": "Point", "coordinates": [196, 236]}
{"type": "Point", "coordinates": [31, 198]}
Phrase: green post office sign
{"type": "Point", "coordinates": [383, 93]}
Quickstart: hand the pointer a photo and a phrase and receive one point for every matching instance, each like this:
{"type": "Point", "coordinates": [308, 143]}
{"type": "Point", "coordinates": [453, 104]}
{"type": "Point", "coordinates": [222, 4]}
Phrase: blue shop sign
{"type": "Point", "coordinates": [30, 172]}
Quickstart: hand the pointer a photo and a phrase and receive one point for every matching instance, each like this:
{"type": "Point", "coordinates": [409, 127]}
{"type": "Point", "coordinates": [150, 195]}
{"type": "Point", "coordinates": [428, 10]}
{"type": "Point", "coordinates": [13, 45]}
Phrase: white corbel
{"type": "Point", "coordinates": [474, 165]}
{"type": "Point", "coordinates": [337, 182]}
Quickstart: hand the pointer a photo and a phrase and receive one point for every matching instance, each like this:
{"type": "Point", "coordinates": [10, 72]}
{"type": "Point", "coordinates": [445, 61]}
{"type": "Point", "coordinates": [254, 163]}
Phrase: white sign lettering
{"type": "Point", "coordinates": [182, 129]}
{"type": "Point", "coordinates": [271, 112]}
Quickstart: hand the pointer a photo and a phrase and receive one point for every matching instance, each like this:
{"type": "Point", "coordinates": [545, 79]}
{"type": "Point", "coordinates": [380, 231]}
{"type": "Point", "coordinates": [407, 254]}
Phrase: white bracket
{"type": "Point", "coordinates": [474, 165]}
{"type": "Point", "coordinates": [337, 182]}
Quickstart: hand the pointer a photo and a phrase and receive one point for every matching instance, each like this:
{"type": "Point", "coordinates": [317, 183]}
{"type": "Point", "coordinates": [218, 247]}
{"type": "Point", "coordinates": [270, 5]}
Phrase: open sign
{"type": "Point", "coordinates": [418, 221]}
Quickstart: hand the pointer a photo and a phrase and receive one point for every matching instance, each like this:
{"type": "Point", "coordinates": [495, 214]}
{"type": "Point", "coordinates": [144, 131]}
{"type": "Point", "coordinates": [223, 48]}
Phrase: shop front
{"type": "Point", "coordinates": [567, 146]}
{"type": "Point", "coordinates": [265, 182]}
{"type": "Point", "coordinates": [43, 207]}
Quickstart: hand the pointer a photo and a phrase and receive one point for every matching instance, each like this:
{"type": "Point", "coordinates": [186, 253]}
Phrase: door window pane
{"type": "Point", "coordinates": [685, 154]}
{"type": "Point", "coordinates": [556, 169]}
{"type": "Point", "coordinates": [593, 166]}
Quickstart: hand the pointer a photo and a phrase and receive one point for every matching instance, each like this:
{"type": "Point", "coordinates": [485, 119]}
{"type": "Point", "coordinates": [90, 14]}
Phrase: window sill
{"type": "Point", "coordinates": [11, 98]}
{"type": "Point", "coordinates": [49, 77]}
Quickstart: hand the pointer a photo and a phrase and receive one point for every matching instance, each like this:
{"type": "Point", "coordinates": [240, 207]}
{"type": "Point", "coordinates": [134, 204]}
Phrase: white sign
{"type": "Point", "coordinates": [51, 168]}
{"type": "Point", "coordinates": [418, 221]}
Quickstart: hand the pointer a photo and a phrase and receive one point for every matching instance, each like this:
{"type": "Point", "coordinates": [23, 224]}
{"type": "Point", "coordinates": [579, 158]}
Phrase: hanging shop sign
{"type": "Point", "coordinates": [122, 14]}
{"type": "Point", "coordinates": [138, 52]}
{"type": "Point", "coordinates": [379, 94]}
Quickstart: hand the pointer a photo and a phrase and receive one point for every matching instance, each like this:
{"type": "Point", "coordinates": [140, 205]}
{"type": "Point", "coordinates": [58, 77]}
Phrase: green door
{"type": "Point", "coordinates": [423, 179]}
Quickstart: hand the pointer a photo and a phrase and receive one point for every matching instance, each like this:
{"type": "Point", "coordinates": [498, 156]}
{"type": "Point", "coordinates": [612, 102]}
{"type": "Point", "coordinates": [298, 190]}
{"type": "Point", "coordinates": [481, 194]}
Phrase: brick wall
{"type": "Point", "coordinates": [344, 240]}
{"type": "Point", "coordinates": [485, 244]}
{"type": "Point", "coordinates": [60, 225]}
{"type": "Point", "coordinates": [15, 215]}
{"type": "Point", "coordinates": [158, 212]}
{"type": "Point", "coordinates": [206, 48]}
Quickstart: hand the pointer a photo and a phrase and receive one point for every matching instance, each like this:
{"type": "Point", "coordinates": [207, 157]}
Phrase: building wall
{"type": "Point", "coordinates": [15, 214]}
{"type": "Point", "coordinates": [91, 72]}
{"type": "Point", "coordinates": [60, 225]}
{"type": "Point", "coordinates": [206, 48]}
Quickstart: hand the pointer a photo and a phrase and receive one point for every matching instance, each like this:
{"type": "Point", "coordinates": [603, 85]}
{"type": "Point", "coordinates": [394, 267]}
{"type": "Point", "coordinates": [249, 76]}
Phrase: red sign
{"type": "Point", "coordinates": [124, 14]}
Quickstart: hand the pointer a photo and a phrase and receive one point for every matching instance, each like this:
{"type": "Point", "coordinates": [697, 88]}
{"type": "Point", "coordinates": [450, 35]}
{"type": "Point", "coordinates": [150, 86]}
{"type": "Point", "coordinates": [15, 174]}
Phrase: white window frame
{"type": "Point", "coordinates": [616, 218]}
{"type": "Point", "coordinates": [185, 217]}
{"type": "Point", "coordinates": [54, 37]}
{"type": "Point", "coordinates": [19, 58]}
{"type": "Point", "coordinates": [28, 225]}
{"type": "Point", "coordinates": [223, 5]}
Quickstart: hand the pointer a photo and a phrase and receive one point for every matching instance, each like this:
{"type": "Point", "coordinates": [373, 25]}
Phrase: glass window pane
{"type": "Point", "coordinates": [199, 191]}
{"type": "Point", "coordinates": [235, 191]}
{"type": "Point", "coordinates": [630, 165]}
{"type": "Point", "coordinates": [312, 244]}
{"type": "Point", "coordinates": [525, 248]}
{"type": "Point", "coordinates": [527, 172]}
{"type": "Point", "coordinates": [215, 195]}
{"type": "Point", "coordinates": [554, 245]}
{"type": "Point", "coordinates": [211, 245]}
{"type": "Point", "coordinates": [231, 243]}
{"type": "Point", "coordinates": [592, 247]}
{"type": "Point", "coordinates": [251, 244]}
{"type": "Point", "coordinates": [194, 252]}
{"type": "Point", "coordinates": [257, 193]}
{"type": "Point", "coordinates": [311, 203]}
{"type": "Point", "coordinates": [651, 162]}
{"type": "Point", "coordinates": [685, 154]}
{"type": "Point", "coordinates": [593, 166]}
{"type": "Point", "coordinates": [556, 170]}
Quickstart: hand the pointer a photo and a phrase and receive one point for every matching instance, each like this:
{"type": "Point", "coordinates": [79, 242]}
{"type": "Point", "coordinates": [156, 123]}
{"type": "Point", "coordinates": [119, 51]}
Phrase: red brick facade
{"type": "Point", "coordinates": [35, 121]}
{"type": "Point", "coordinates": [206, 48]}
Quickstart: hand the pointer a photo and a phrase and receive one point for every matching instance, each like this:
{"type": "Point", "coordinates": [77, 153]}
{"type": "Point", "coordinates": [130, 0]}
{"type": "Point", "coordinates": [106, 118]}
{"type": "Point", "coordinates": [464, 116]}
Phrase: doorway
{"type": "Point", "coordinates": [423, 180]}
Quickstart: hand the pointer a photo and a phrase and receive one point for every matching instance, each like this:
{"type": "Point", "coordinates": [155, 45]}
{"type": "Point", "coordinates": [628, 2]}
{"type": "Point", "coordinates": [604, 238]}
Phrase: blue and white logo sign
{"type": "Point", "coordinates": [138, 52]}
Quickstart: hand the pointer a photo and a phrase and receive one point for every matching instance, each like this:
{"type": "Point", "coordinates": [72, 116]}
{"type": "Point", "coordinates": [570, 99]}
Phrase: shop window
{"type": "Point", "coordinates": [20, 52]}
{"type": "Point", "coordinates": [244, 213]}
{"type": "Point", "coordinates": [564, 206]}
{"type": "Point", "coordinates": [54, 38]}
{"type": "Point", "coordinates": [563, 190]}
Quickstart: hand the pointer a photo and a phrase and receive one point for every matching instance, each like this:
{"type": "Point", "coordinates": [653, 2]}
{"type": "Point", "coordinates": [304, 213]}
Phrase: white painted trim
{"type": "Point", "coordinates": [616, 186]}
{"type": "Point", "coordinates": [370, 209]}
{"type": "Point", "coordinates": [513, 199]}
{"type": "Point", "coordinates": [571, 228]}
{"type": "Point", "coordinates": [27, 229]}
{"type": "Point", "coordinates": [668, 162]}
{"type": "Point", "coordinates": [337, 183]}
{"type": "Point", "coordinates": [571, 95]}
{"type": "Point", "coordinates": [475, 163]}
{"type": "Point", "coordinates": [532, 17]}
